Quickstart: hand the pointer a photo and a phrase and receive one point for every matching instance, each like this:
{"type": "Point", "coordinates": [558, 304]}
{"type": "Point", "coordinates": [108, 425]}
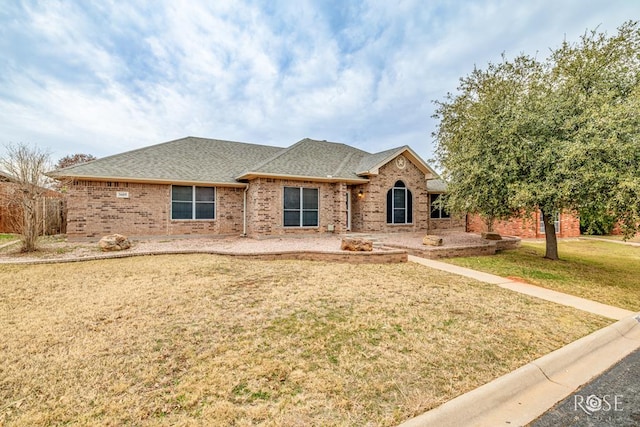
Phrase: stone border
{"type": "Point", "coordinates": [381, 257]}
{"type": "Point", "coordinates": [488, 248]}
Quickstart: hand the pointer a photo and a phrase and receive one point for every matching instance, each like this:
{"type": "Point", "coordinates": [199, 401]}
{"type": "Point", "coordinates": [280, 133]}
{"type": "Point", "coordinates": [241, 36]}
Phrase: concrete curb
{"type": "Point", "coordinates": [521, 396]}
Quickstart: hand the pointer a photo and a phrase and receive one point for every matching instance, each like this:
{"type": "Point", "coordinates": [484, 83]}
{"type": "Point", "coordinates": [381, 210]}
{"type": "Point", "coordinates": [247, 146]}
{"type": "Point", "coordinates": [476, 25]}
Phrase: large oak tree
{"type": "Point", "coordinates": [550, 135]}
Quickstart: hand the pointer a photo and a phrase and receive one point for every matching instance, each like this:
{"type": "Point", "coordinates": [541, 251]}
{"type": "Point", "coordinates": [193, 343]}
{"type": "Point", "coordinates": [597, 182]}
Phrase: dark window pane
{"type": "Point", "coordinates": [398, 216]}
{"type": "Point", "coordinates": [399, 184]}
{"type": "Point", "coordinates": [181, 210]}
{"type": "Point", "coordinates": [181, 193]}
{"type": "Point", "coordinates": [309, 198]}
{"type": "Point", "coordinates": [390, 207]}
{"type": "Point", "coordinates": [310, 218]}
{"type": "Point", "coordinates": [204, 211]}
{"type": "Point", "coordinates": [409, 208]}
{"type": "Point", "coordinates": [292, 218]}
{"type": "Point", "coordinates": [205, 194]}
{"type": "Point", "coordinates": [399, 199]}
{"type": "Point", "coordinates": [291, 198]}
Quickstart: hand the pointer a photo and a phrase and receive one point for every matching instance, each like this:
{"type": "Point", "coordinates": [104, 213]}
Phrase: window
{"type": "Point", "coordinates": [399, 204]}
{"type": "Point", "coordinates": [191, 202]}
{"type": "Point", "coordinates": [300, 207]}
{"type": "Point", "coordinates": [437, 212]}
{"type": "Point", "coordinates": [556, 222]}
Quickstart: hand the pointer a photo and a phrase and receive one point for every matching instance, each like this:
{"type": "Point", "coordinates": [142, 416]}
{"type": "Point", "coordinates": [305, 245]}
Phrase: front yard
{"type": "Point", "coordinates": [198, 339]}
{"type": "Point", "coordinates": [605, 272]}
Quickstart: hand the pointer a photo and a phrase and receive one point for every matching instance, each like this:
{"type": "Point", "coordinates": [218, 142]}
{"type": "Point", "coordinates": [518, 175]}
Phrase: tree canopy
{"type": "Point", "coordinates": [550, 135]}
{"type": "Point", "coordinates": [74, 159]}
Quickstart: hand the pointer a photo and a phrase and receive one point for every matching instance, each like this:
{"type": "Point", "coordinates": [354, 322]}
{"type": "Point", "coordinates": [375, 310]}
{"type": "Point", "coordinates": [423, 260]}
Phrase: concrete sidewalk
{"type": "Point", "coordinates": [521, 396]}
{"type": "Point", "coordinates": [600, 309]}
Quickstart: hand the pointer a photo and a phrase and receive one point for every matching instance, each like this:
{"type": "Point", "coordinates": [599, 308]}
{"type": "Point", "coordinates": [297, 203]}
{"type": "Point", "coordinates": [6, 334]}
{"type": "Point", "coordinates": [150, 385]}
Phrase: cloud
{"type": "Point", "coordinates": [110, 77]}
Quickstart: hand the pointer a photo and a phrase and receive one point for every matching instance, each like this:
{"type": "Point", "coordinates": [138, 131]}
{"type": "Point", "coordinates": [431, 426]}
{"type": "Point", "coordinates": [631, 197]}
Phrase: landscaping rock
{"type": "Point", "coordinates": [432, 240]}
{"type": "Point", "coordinates": [490, 235]}
{"type": "Point", "coordinates": [114, 242]}
{"type": "Point", "coordinates": [350, 244]}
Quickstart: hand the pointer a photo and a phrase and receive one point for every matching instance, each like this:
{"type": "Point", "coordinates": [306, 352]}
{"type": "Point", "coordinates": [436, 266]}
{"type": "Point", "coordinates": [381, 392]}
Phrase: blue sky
{"type": "Point", "coordinates": [115, 76]}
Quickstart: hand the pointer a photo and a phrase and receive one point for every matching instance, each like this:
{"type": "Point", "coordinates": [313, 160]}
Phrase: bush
{"type": "Point", "coordinates": [596, 223]}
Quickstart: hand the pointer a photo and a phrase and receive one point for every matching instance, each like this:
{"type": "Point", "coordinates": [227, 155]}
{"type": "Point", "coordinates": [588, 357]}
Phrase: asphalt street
{"type": "Point", "coordinates": [611, 399]}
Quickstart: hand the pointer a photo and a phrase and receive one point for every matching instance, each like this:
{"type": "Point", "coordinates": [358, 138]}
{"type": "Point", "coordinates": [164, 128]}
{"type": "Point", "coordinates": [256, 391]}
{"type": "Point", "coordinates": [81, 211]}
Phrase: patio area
{"type": "Point", "coordinates": [387, 248]}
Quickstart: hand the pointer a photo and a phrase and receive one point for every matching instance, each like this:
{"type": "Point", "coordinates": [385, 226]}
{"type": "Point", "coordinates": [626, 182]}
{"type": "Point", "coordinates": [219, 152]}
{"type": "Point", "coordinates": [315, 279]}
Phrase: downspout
{"type": "Point", "coordinates": [244, 211]}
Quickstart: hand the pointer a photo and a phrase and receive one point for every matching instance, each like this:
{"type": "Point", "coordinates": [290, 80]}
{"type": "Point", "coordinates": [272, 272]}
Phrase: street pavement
{"type": "Point", "coordinates": [611, 399]}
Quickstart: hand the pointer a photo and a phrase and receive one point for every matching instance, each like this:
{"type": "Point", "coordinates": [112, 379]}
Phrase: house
{"type": "Point", "coordinates": [566, 224]}
{"type": "Point", "coordinates": [198, 186]}
{"type": "Point", "coordinates": [528, 227]}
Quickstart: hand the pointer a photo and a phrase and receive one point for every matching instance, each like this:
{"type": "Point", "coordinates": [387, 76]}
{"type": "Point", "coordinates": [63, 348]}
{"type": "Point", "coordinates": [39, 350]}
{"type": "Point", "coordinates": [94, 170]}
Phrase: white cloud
{"type": "Point", "coordinates": [107, 78]}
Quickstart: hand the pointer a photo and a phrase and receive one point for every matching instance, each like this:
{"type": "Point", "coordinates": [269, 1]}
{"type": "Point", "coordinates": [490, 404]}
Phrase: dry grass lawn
{"type": "Point", "coordinates": [206, 340]}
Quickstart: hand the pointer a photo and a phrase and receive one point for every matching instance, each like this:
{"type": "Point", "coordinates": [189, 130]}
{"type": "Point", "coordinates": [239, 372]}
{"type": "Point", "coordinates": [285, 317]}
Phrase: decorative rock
{"type": "Point", "coordinates": [490, 235]}
{"type": "Point", "coordinates": [350, 244]}
{"type": "Point", "coordinates": [432, 240]}
{"type": "Point", "coordinates": [114, 242]}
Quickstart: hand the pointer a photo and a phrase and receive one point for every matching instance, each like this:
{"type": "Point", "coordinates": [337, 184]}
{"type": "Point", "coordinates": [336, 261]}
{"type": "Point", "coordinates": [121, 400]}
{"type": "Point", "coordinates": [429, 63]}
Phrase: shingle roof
{"type": "Point", "coordinates": [436, 186]}
{"type": "Point", "coordinates": [201, 160]}
{"type": "Point", "coordinates": [311, 158]}
{"type": "Point", "coordinates": [188, 159]}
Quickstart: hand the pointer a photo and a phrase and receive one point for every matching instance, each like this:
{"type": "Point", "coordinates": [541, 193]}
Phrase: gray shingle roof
{"type": "Point", "coordinates": [436, 186]}
{"type": "Point", "coordinates": [201, 160]}
{"type": "Point", "coordinates": [311, 158]}
{"type": "Point", "coordinates": [188, 159]}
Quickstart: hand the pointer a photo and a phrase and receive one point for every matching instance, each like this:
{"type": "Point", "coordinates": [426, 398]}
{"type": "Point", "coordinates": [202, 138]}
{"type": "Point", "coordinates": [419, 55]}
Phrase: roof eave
{"type": "Point", "coordinates": [328, 178]}
{"type": "Point", "coordinates": [150, 180]}
{"type": "Point", "coordinates": [413, 156]}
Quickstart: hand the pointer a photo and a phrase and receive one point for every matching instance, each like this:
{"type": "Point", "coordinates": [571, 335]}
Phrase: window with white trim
{"type": "Point", "coordinates": [300, 207]}
{"type": "Point", "coordinates": [192, 202]}
{"type": "Point", "coordinates": [556, 222]}
{"type": "Point", "coordinates": [399, 204]}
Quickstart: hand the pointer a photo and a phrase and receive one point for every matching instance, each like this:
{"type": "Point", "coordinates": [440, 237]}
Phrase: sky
{"type": "Point", "coordinates": [106, 77]}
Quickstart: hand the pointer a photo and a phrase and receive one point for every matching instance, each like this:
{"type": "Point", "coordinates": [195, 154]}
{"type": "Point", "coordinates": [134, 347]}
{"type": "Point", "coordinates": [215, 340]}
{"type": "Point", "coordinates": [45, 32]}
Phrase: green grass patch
{"type": "Point", "coordinates": [5, 238]}
{"type": "Point", "coordinates": [593, 269]}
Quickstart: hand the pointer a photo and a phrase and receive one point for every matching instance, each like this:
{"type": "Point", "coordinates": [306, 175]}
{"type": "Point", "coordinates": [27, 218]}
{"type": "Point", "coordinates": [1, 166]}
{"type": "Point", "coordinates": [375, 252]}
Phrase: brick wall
{"type": "Point", "coordinates": [527, 227]}
{"type": "Point", "coordinates": [94, 211]}
{"type": "Point", "coordinates": [369, 213]}
{"type": "Point", "coordinates": [265, 207]}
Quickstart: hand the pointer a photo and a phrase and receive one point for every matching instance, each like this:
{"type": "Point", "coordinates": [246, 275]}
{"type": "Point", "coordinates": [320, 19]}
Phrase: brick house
{"type": "Point", "coordinates": [214, 187]}
{"type": "Point", "coordinates": [529, 227]}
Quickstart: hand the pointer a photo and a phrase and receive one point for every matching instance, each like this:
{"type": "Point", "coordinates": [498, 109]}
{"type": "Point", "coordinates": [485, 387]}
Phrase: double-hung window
{"type": "Point", "coordinates": [192, 202]}
{"type": "Point", "coordinates": [300, 207]}
{"type": "Point", "coordinates": [399, 204]}
{"type": "Point", "coordinates": [437, 211]}
{"type": "Point", "coordinates": [556, 222]}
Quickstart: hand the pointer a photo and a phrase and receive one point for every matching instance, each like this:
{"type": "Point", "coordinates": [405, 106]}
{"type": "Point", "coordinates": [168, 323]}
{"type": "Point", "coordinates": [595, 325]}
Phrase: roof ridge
{"type": "Point", "coordinates": [343, 163]}
{"type": "Point", "coordinates": [272, 158]}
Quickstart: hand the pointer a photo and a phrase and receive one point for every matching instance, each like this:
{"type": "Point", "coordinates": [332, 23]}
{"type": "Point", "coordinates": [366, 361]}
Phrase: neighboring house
{"type": "Point", "coordinates": [213, 187]}
{"type": "Point", "coordinates": [529, 227]}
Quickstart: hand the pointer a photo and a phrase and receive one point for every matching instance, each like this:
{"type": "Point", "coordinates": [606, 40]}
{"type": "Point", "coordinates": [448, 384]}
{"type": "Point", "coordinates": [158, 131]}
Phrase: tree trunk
{"type": "Point", "coordinates": [488, 221]}
{"type": "Point", "coordinates": [550, 237]}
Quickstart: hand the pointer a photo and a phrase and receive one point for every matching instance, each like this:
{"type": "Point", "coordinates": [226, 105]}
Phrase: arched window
{"type": "Point", "coordinates": [399, 204]}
